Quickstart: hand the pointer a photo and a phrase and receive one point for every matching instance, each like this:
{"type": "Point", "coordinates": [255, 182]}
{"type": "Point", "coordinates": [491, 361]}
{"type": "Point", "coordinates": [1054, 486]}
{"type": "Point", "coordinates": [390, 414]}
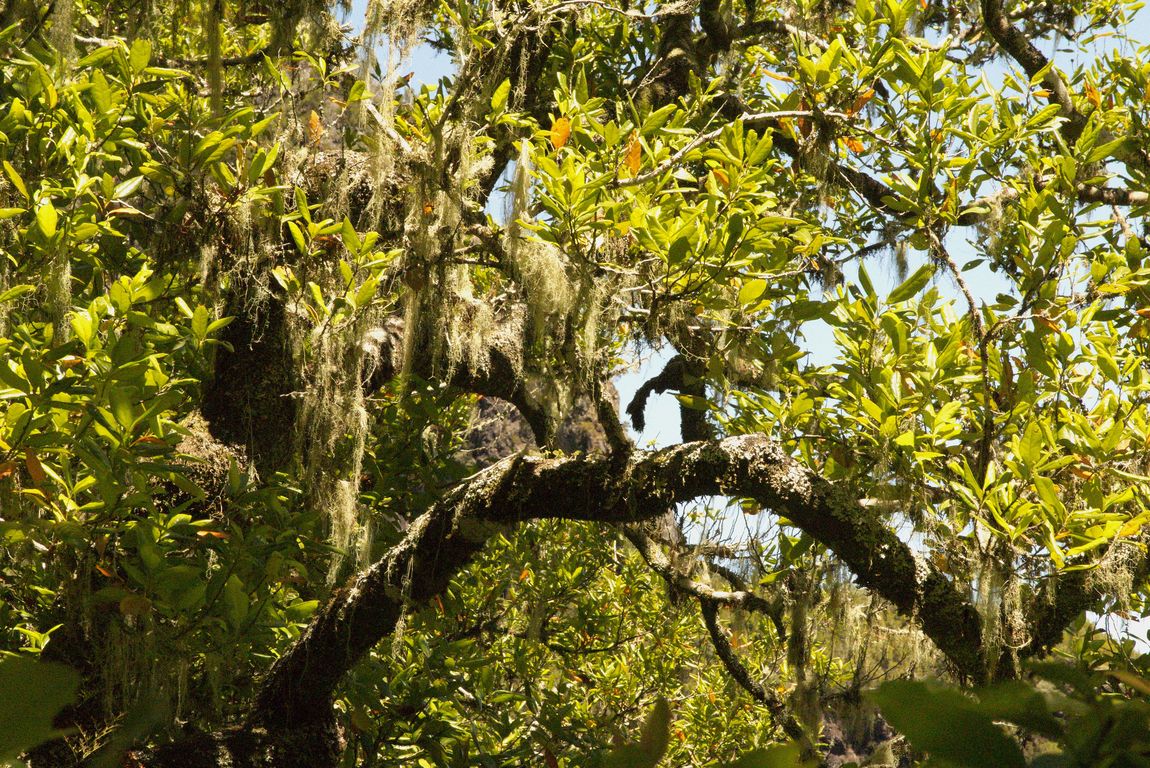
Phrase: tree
{"type": "Point", "coordinates": [256, 281]}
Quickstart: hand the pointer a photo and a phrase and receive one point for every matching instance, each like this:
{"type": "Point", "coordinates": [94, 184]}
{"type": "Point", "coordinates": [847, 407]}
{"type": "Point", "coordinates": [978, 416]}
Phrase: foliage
{"type": "Point", "coordinates": [255, 285]}
{"type": "Point", "coordinates": [1068, 716]}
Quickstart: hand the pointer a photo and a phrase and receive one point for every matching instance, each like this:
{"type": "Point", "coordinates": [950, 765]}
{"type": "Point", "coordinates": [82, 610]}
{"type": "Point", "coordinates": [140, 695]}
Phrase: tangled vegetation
{"type": "Point", "coordinates": [311, 452]}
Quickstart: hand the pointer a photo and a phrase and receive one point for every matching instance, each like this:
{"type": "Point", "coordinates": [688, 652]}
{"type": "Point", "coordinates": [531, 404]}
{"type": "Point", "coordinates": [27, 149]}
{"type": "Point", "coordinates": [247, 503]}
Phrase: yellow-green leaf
{"type": "Point", "coordinates": [47, 218]}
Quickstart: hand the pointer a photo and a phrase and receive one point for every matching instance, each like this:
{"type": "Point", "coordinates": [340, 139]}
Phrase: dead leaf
{"type": "Point", "coordinates": [861, 102]}
{"type": "Point", "coordinates": [35, 468]}
{"type": "Point", "coordinates": [854, 145]}
{"type": "Point", "coordinates": [314, 128]}
{"type": "Point", "coordinates": [1092, 94]}
{"type": "Point", "coordinates": [804, 123]}
{"type": "Point", "coordinates": [633, 158]}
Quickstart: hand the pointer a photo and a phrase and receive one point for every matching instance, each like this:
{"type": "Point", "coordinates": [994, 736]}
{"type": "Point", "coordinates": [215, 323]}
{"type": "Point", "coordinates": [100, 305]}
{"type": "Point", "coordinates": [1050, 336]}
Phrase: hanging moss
{"type": "Point", "coordinates": [59, 302]}
{"type": "Point", "coordinates": [213, 18]}
{"type": "Point", "coordinates": [331, 430]}
{"type": "Point", "coordinates": [60, 30]}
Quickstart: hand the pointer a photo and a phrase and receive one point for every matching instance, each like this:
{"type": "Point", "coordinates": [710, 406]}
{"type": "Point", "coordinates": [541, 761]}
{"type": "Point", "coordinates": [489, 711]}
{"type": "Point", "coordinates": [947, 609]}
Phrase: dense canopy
{"type": "Point", "coordinates": [311, 446]}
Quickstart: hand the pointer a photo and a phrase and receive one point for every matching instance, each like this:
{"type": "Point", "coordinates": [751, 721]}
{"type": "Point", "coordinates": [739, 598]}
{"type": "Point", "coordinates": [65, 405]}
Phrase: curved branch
{"type": "Point", "coordinates": [740, 675]}
{"type": "Point", "coordinates": [1018, 47]}
{"type": "Point", "coordinates": [658, 562]}
{"type": "Point", "coordinates": [300, 685]}
{"type": "Point", "coordinates": [679, 375]}
{"type": "Point", "coordinates": [1067, 595]}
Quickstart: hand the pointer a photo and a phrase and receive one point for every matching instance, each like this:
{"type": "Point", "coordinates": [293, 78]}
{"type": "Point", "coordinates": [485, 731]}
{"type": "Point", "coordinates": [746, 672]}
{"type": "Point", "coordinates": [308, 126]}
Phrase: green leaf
{"type": "Point", "coordinates": [947, 724]}
{"type": "Point", "coordinates": [499, 98]}
{"type": "Point", "coordinates": [1030, 446]}
{"type": "Point", "coordinates": [751, 291]}
{"type": "Point", "coordinates": [122, 402]}
{"type": "Point", "coordinates": [297, 237]}
{"type": "Point", "coordinates": [16, 292]}
{"type": "Point", "coordinates": [1019, 703]}
{"type": "Point", "coordinates": [200, 322]}
{"type": "Point", "coordinates": [31, 694]}
{"type": "Point", "coordinates": [678, 250]}
{"type": "Point", "coordinates": [653, 741]}
{"type": "Point", "coordinates": [128, 188]}
{"type": "Point", "coordinates": [140, 55]}
{"type": "Point", "coordinates": [657, 119]}
{"type": "Point", "coordinates": [17, 182]}
{"type": "Point", "coordinates": [47, 218]}
{"type": "Point", "coordinates": [912, 284]}
{"type": "Point", "coordinates": [235, 601]}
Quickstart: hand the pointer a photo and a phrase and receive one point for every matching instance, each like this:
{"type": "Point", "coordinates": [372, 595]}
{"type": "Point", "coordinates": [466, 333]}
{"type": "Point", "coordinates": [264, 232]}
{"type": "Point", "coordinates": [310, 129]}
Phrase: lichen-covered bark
{"type": "Point", "coordinates": [298, 690]}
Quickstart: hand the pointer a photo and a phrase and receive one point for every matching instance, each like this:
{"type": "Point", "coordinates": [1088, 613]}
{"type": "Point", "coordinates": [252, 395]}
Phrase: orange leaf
{"type": "Point", "coordinates": [213, 534]}
{"type": "Point", "coordinates": [1144, 312]}
{"type": "Point", "coordinates": [861, 101]}
{"type": "Point", "coordinates": [721, 176]}
{"type": "Point", "coordinates": [1092, 94]}
{"type": "Point", "coordinates": [1042, 93]}
{"type": "Point", "coordinates": [634, 155]}
{"type": "Point", "coordinates": [854, 145]}
{"type": "Point", "coordinates": [314, 128]}
{"type": "Point", "coordinates": [7, 468]}
{"type": "Point", "coordinates": [70, 361]}
{"type": "Point", "coordinates": [105, 571]}
{"type": "Point", "coordinates": [427, 207]}
{"type": "Point", "coordinates": [35, 468]}
{"type": "Point", "coordinates": [804, 124]}
{"type": "Point", "coordinates": [525, 574]}
{"type": "Point", "coordinates": [560, 132]}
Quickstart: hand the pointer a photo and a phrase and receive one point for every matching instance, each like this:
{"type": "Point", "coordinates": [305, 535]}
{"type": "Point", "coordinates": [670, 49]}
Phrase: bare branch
{"type": "Point", "coordinates": [740, 675]}
{"type": "Point", "coordinates": [658, 562]}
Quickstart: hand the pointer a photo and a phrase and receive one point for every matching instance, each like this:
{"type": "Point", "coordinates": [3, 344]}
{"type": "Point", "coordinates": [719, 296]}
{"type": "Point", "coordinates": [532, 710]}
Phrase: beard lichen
{"type": "Point", "coordinates": [332, 428]}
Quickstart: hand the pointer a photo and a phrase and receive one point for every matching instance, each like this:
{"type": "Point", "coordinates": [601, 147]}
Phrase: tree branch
{"type": "Point", "coordinates": [1067, 595]}
{"type": "Point", "coordinates": [300, 685]}
{"type": "Point", "coordinates": [740, 675]}
{"type": "Point", "coordinates": [1032, 61]}
{"type": "Point", "coordinates": [658, 562]}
